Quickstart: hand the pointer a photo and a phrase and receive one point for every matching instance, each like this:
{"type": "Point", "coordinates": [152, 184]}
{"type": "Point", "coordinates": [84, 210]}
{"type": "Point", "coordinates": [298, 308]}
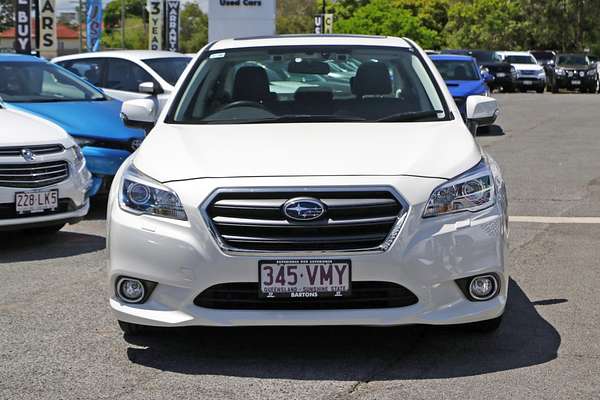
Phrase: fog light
{"type": "Point", "coordinates": [483, 287]}
{"type": "Point", "coordinates": [130, 290]}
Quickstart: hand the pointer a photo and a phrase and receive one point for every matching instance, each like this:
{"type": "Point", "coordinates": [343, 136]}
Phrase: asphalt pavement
{"type": "Point", "coordinates": [58, 339]}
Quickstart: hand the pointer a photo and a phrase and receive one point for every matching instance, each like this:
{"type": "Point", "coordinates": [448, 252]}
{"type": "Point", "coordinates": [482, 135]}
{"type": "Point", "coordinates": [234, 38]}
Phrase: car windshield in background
{"type": "Point", "coordinates": [36, 82]}
{"type": "Point", "coordinates": [457, 70]}
{"type": "Point", "coordinates": [315, 84]}
{"type": "Point", "coordinates": [572, 59]}
{"type": "Point", "coordinates": [170, 68]}
{"type": "Point", "coordinates": [520, 60]}
{"type": "Point", "coordinates": [543, 56]}
{"type": "Point", "coordinates": [485, 56]}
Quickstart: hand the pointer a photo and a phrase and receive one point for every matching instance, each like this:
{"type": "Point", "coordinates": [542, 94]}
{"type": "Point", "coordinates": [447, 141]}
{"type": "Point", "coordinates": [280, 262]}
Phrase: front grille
{"type": "Point", "coordinates": [244, 296]}
{"type": "Point", "coordinates": [36, 150]}
{"type": "Point", "coordinates": [529, 72]}
{"type": "Point", "coordinates": [32, 175]}
{"type": "Point", "coordinates": [254, 220]}
{"type": "Point", "coordinates": [8, 210]}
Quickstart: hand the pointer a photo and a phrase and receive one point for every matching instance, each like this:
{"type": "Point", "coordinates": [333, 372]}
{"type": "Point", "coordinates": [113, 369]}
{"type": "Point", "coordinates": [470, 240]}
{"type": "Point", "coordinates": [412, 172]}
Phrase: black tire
{"type": "Point", "coordinates": [48, 230]}
{"type": "Point", "coordinates": [487, 326]}
{"type": "Point", "coordinates": [130, 329]}
{"type": "Point", "coordinates": [507, 89]}
{"type": "Point", "coordinates": [522, 90]}
{"type": "Point", "coordinates": [554, 89]}
{"type": "Point", "coordinates": [540, 89]}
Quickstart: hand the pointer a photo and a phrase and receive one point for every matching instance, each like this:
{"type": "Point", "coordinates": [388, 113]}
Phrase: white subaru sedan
{"type": "Point", "coordinates": [357, 201]}
{"type": "Point", "coordinates": [43, 176]}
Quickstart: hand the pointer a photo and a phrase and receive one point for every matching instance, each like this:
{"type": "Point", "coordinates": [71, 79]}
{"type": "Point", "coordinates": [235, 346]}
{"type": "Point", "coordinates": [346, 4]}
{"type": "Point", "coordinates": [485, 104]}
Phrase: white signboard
{"type": "Point", "coordinates": [48, 42]}
{"type": "Point", "coordinates": [240, 18]}
{"type": "Point", "coordinates": [155, 9]}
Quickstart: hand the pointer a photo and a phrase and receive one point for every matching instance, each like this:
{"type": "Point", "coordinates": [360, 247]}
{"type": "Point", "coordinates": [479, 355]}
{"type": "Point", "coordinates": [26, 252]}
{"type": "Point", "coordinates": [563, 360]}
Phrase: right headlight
{"type": "Point", "coordinates": [140, 194]}
{"type": "Point", "coordinates": [472, 191]}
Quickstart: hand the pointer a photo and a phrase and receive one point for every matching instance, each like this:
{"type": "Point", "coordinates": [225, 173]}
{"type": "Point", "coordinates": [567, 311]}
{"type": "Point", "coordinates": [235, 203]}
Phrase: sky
{"type": "Point", "coordinates": [69, 5]}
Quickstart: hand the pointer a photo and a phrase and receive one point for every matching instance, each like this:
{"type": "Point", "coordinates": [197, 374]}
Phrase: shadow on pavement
{"type": "Point", "coordinates": [492, 130]}
{"type": "Point", "coordinates": [29, 246]}
{"type": "Point", "coordinates": [354, 353]}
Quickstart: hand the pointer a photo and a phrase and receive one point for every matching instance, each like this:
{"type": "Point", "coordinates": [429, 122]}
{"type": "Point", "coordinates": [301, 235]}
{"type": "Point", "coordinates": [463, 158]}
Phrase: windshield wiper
{"type": "Point", "coordinates": [291, 118]}
{"type": "Point", "coordinates": [412, 116]}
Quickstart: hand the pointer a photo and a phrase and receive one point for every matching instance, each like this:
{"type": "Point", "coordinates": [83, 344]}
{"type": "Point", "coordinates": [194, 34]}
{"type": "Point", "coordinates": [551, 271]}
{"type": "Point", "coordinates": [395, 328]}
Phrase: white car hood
{"type": "Point", "coordinates": [19, 128]}
{"type": "Point", "coordinates": [430, 149]}
{"type": "Point", "coordinates": [528, 67]}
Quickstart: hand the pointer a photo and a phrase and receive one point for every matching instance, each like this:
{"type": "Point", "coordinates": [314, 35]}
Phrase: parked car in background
{"type": "Point", "coordinates": [395, 216]}
{"type": "Point", "coordinates": [545, 58]}
{"type": "Point", "coordinates": [463, 78]}
{"type": "Point", "coordinates": [530, 75]}
{"type": "Point", "coordinates": [505, 75]}
{"type": "Point", "coordinates": [93, 119]}
{"type": "Point", "coordinates": [574, 72]}
{"type": "Point", "coordinates": [43, 177]}
{"type": "Point", "coordinates": [129, 74]}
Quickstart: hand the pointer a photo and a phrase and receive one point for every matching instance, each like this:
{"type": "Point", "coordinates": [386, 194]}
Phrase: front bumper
{"type": "Point", "coordinates": [427, 257]}
{"type": "Point", "coordinates": [504, 80]}
{"type": "Point", "coordinates": [531, 83]}
{"type": "Point", "coordinates": [103, 163]}
{"type": "Point", "coordinates": [575, 82]}
{"type": "Point", "coordinates": [73, 202]}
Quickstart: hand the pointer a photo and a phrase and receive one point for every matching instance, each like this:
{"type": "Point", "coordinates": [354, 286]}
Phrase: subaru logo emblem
{"type": "Point", "coordinates": [28, 155]}
{"type": "Point", "coordinates": [303, 209]}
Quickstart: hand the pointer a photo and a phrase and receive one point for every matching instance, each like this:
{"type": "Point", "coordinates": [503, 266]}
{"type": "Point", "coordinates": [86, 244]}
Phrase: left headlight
{"type": "Point", "coordinates": [77, 155]}
{"type": "Point", "coordinates": [140, 194]}
{"type": "Point", "coordinates": [591, 72]}
{"type": "Point", "coordinates": [472, 191]}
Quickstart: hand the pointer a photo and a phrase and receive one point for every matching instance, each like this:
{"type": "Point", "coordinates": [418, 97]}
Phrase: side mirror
{"type": "Point", "coordinates": [139, 113]}
{"type": "Point", "coordinates": [150, 88]}
{"type": "Point", "coordinates": [481, 110]}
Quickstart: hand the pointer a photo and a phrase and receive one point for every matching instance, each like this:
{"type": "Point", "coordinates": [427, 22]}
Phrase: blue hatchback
{"type": "Point", "coordinates": [92, 118]}
{"type": "Point", "coordinates": [463, 78]}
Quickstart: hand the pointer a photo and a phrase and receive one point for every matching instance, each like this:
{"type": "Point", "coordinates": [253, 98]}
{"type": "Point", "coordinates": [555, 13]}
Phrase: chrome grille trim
{"type": "Point", "coordinates": [384, 228]}
{"type": "Point", "coordinates": [33, 175]}
{"type": "Point", "coordinates": [39, 150]}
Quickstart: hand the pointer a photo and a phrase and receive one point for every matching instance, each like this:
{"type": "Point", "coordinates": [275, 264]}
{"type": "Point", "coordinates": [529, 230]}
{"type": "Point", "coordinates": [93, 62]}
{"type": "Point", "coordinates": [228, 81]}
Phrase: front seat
{"type": "Point", "coordinates": [252, 84]}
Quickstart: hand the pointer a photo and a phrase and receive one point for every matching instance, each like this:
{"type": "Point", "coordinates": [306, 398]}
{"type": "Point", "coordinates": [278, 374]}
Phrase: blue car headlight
{"type": "Point", "coordinates": [140, 194]}
{"type": "Point", "coordinates": [472, 191]}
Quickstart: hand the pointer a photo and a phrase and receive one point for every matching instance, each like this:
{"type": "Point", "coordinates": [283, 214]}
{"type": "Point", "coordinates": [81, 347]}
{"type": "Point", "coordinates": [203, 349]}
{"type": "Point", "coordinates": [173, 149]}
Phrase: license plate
{"type": "Point", "coordinates": [304, 278]}
{"type": "Point", "coordinates": [527, 83]}
{"type": "Point", "coordinates": [36, 201]}
{"type": "Point", "coordinates": [576, 82]}
{"type": "Point", "coordinates": [500, 74]}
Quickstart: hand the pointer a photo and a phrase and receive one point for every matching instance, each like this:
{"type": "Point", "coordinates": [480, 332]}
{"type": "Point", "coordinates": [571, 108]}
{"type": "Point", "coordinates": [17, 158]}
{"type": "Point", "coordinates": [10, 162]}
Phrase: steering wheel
{"type": "Point", "coordinates": [244, 103]}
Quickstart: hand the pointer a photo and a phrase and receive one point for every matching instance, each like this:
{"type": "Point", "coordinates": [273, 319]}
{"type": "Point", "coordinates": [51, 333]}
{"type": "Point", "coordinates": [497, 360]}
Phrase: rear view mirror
{"type": "Point", "coordinates": [481, 110]}
{"type": "Point", "coordinates": [308, 67]}
{"type": "Point", "coordinates": [139, 113]}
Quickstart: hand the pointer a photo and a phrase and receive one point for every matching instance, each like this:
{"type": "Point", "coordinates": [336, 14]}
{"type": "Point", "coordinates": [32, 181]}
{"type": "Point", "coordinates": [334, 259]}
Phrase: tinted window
{"type": "Point", "coordinates": [572, 59]}
{"type": "Point", "coordinates": [485, 56]}
{"type": "Point", "coordinates": [283, 84]}
{"type": "Point", "coordinates": [125, 75]}
{"type": "Point", "coordinates": [89, 69]}
{"type": "Point", "coordinates": [23, 82]}
{"type": "Point", "coordinates": [170, 69]}
{"type": "Point", "coordinates": [520, 60]}
{"type": "Point", "coordinates": [457, 70]}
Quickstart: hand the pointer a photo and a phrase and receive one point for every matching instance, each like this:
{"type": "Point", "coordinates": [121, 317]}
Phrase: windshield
{"type": "Point", "coordinates": [543, 56]}
{"type": "Point", "coordinates": [485, 56]}
{"type": "Point", "coordinates": [36, 82]}
{"type": "Point", "coordinates": [296, 84]}
{"type": "Point", "coordinates": [170, 69]}
{"type": "Point", "coordinates": [457, 70]}
{"type": "Point", "coordinates": [572, 59]}
{"type": "Point", "coordinates": [520, 60]}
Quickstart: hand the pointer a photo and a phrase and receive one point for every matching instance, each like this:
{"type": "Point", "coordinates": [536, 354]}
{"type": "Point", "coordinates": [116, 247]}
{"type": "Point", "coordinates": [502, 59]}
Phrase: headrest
{"type": "Point", "coordinates": [251, 84]}
{"type": "Point", "coordinates": [372, 78]}
{"type": "Point", "coordinates": [313, 94]}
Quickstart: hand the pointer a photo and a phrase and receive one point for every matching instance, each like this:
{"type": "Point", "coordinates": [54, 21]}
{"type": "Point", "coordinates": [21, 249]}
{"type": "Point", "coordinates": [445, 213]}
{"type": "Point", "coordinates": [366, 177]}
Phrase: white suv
{"type": "Point", "coordinates": [530, 75]}
{"type": "Point", "coordinates": [355, 201]}
{"type": "Point", "coordinates": [43, 177]}
{"type": "Point", "coordinates": [129, 74]}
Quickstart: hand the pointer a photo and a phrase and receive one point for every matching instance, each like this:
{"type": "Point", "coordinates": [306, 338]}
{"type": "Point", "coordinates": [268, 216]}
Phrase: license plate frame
{"type": "Point", "coordinates": [527, 83]}
{"type": "Point", "coordinates": [35, 206]}
{"type": "Point", "coordinates": [305, 267]}
{"type": "Point", "coordinates": [500, 75]}
{"type": "Point", "coordinates": [576, 82]}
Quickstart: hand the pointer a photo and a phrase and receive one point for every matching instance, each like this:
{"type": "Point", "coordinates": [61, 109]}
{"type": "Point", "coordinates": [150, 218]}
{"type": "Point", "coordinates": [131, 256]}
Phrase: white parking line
{"type": "Point", "coordinates": [556, 220]}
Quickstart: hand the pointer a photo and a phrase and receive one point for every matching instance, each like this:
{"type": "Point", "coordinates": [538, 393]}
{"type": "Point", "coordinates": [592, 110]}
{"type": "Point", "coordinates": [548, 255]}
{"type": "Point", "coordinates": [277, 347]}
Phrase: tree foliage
{"type": "Point", "coordinates": [194, 28]}
{"type": "Point", "coordinates": [7, 14]}
{"type": "Point", "coordinates": [135, 35]}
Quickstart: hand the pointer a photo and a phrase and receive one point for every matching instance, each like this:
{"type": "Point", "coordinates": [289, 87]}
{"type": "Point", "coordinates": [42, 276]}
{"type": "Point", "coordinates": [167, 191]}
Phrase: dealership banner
{"type": "Point", "coordinates": [155, 10]}
{"type": "Point", "coordinates": [23, 27]}
{"type": "Point", "coordinates": [93, 24]}
{"type": "Point", "coordinates": [48, 42]}
{"type": "Point", "coordinates": [323, 23]}
{"type": "Point", "coordinates": [172, 31]}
